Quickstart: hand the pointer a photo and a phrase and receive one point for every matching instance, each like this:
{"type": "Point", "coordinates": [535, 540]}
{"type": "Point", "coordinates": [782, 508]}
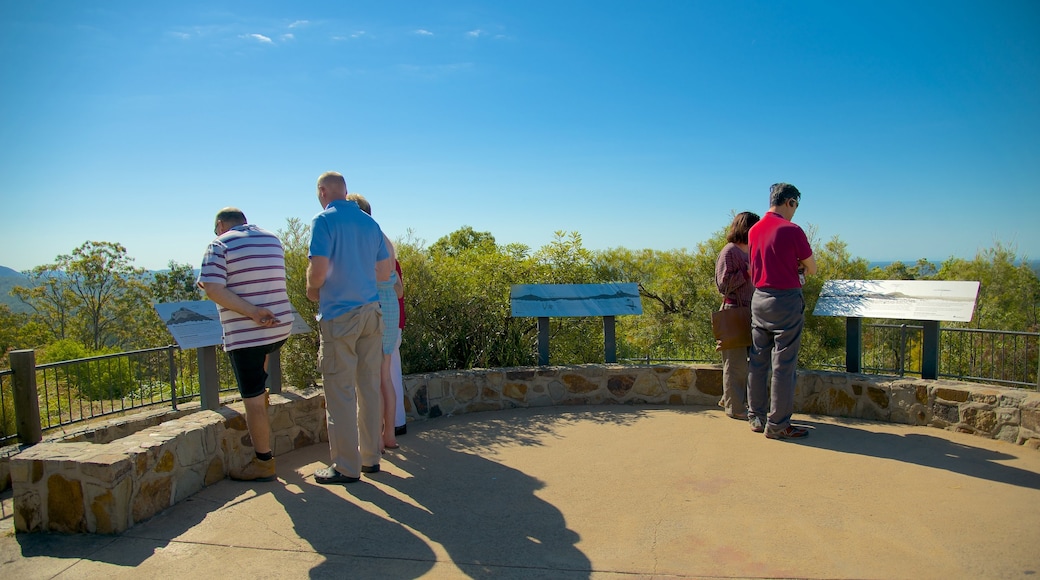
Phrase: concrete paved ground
{"type": "Point", "coordinates": [606, 492]}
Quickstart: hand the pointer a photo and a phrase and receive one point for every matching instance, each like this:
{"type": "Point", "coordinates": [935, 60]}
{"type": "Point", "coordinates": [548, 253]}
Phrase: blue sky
{"type": "Point", "coordinates": [911, 128]}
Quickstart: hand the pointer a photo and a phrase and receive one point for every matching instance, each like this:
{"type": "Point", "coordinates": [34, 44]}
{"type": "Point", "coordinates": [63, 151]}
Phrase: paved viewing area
{"type": "Point", "coordinates": [597, 492]}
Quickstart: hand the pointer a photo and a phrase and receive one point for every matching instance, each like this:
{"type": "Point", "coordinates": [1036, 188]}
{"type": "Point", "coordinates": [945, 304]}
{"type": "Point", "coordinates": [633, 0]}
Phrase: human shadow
{"type": "Point", "coordinates": [353, 542]}
{"type": "Point", "coordinates": [919, 449]}
{"type": "Point", "coordinates": [486, 515]}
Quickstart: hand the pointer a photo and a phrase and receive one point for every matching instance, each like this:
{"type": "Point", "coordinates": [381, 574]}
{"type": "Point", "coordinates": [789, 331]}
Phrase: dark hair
{"type": "Point", "coordinates": [779, 193]}
{"type": "Point", "coordinates": [742, 223]}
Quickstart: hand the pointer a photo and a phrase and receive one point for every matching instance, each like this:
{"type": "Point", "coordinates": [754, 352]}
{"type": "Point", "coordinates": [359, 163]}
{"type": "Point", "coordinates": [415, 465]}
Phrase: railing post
{"type": "Point", "coordinates": [609, 340]}
{"type": "Point", "coordinates": [274, 372]}
{"type": "Point", "coordinates": [930, 350]}
{"type": "Point", "coordinates": [902, 349]}
{"type": "Point", "coordinates": [543, 341]}
{"type": "Point", "coordinates": [171, 357]}
{"type": "Point", "coordinates": [26, 397]}
{"type": "Point", "coordinates": [209, 380]}
{"type": "Point", "coordinates": [854, 344]}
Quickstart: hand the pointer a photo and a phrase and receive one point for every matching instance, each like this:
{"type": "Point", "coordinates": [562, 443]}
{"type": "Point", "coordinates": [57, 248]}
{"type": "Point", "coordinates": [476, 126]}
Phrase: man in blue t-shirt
{"type": "Point", "coordinates": [347, 255]}
{"type": "Point", "coordinates": [780, 256]}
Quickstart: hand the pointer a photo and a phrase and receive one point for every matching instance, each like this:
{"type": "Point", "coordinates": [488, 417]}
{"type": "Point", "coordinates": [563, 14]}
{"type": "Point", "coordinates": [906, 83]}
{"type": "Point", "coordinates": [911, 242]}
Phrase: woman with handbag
{"type": "Point", "coordinates": [732, 324]}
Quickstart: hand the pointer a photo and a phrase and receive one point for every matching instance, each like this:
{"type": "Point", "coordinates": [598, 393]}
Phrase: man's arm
{"type": "Point", "coordinates": [220, 294]}
{"type": "Point", "coordinates": [317, 271]}
{"type": "Point", "coordinates": [809, 264]}
{"type": "Point", "coordinates": [384, 269]}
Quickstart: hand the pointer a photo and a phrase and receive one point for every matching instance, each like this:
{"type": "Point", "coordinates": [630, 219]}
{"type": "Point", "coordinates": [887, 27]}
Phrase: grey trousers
{"type": "Point", "coordinates": [777, 319]}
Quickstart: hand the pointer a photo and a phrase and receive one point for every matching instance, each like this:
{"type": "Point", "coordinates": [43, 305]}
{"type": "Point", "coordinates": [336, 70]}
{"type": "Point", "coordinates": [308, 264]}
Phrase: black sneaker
{"type": "Point", "coordinates": [329, 475]}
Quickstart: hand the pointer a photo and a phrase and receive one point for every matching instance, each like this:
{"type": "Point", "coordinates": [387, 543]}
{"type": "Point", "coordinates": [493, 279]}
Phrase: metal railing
{"type": "Point", "coordinates": [74, 391]}
{"type": "Point", "coordinates": [990, 356]}
{"type": "Point", "coordinates": [7, 427]}
{"type": "Point", "coordinates": [986, 356]}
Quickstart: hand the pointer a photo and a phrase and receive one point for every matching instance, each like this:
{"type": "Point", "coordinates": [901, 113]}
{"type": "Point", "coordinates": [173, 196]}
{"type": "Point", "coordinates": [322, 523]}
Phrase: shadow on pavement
{"type": "Point", "coordinates": [919, 449]}
{"type": "Point", "coordinates": [487, 516]}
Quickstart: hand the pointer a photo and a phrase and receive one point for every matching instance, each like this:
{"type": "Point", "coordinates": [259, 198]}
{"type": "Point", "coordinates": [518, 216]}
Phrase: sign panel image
{"type": "Point", "coordinates": [552, 300]}
{"type": "Point", "coordinates": [898, 299]}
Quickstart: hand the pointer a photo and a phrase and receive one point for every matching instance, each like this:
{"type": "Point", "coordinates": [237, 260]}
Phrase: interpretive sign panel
{"type": "Point", "coordinates": [898, 299]}
{"type": "Point", "coordinates": [552, 300]}
{"type": "Point", "coordinates": [196, 324]}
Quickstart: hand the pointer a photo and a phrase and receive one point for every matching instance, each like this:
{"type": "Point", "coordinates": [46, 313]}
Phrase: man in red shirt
{"type": "Point", "coordinates": [780, 256]}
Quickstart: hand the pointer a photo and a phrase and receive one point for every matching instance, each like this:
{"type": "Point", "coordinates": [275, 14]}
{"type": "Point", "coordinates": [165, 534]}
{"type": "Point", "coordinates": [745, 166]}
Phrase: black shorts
{"type": "Point", "coordinates": [248, 364]}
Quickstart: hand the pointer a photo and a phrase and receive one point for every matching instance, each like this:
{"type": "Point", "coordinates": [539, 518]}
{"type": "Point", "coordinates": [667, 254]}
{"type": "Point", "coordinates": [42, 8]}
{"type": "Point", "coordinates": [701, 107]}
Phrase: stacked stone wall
{"type": "Point", "coordinates": [1011, 415]}
{"type": "Point", "coordinates": [74, 485]}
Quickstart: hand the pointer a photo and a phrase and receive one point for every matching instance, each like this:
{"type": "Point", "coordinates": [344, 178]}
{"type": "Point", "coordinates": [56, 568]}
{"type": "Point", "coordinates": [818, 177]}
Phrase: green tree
{"type": "Point", "coordinates": [177, 284]}
{"type": "Point", "coordinates": [94, 295]}
{"type": "Point", "coordinates": [50, 298]}
{"type": "Point", "coordinates": [95, 380]}
{"type": "Point", "coordinates": [462, 240]}
{"type": "Point", "coordinates": [1009, 290]}
{"type": "Point", "coordinates": [299, 355]}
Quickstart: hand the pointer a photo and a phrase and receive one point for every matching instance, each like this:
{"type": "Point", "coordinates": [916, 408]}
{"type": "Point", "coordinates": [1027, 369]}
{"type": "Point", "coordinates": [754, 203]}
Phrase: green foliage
{"type": "Point", "coordinates": [177, 284]}
{"type": "Point", "coordinates": [95, 296]}
{"type": "Point", "coordinates": [300, 354]}
{"type": "Point", "coordinates": [457, 304]}
{"type": "Point", "coordinates": [458, 309]}
{"type": "Point", "coordinates": [95, 380]}
{"type": "Point", "coordinates": [1009, 290]}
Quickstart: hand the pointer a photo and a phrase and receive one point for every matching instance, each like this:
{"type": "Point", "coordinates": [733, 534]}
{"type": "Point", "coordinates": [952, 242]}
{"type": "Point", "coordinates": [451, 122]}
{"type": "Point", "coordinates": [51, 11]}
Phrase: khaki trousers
{"type": "Point", "coordinates": [349, 358]}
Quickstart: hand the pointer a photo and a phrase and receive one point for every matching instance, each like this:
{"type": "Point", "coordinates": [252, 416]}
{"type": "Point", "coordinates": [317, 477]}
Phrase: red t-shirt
{"type": "Point", "coordinates": [777, 246]}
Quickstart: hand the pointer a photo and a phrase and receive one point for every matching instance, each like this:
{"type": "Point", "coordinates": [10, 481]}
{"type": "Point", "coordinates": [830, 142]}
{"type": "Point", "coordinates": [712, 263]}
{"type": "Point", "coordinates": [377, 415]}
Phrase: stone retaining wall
{"type": "Point", "coordinates": [109, 485]}
{"type": "Point", "coordinates": [77, 486]}
{"type": "Point", "coordinates": [1011, 415]}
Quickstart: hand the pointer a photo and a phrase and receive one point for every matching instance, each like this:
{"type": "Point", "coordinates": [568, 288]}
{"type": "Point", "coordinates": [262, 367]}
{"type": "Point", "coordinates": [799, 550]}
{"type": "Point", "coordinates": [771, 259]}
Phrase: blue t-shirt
{"type": "Point", "coordinates": [353, 243]}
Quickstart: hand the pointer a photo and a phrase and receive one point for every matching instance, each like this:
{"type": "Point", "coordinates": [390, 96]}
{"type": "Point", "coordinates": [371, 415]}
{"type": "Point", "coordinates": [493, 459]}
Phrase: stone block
{"type": "Point", "coordinates": [620, 385]}
{"type": "Point", "coordinates": [878, 396]}
{"type": "Point", "coordinates": [709, 381]}
{"type": "Point", "coordinates": [681, 379]}
{"type": "Point", "coordinates": [167, 462]}
{"type": "Point", "coordinates": [152, 496]}
{"type": "Point", "coordinates": [28, 511]}
{"type": "Point", "coordinates": [109, 507]}
{"type": "Point", "coordinates": [520, 375]}
{"type": "Point", "coordinates": [515, 391]}
{"type": "Point", "coordinates": [490, 394]}
{"type": "Point", "coordinates": [946, 413]}
{"type": "Point", "coordinates": [215, 471]}
{"type": "Point", "coordinates": [577, 384]}
{"type": "Point", "coordinates": [191, 447]}
{"type": "Point", "coordinates": [188, 482]}
{"type": "Point", "coordinates": [280, 418]}
{"type": "Point", "coordinates": [648, 385]}
{"type": "Point", "coordinates": [438, 388]}
{"type": "Point", "coordinates": [979, 418]}
{"type": "Point", "coordinates": [952, 394]}
{"type": "Point", "coordinates": [106, 467]}
{"type": "Point", "coordinates": [988, 397]}
{"type": "Point", "coordinates": [833, 402]}
{"type": "Point", "coordinates": [65, 508]}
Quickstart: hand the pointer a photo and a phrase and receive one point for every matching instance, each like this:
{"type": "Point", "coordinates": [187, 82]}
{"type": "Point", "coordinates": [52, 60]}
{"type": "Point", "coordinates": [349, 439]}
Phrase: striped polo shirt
{"type": "Point", "coordinates": [250, 262]}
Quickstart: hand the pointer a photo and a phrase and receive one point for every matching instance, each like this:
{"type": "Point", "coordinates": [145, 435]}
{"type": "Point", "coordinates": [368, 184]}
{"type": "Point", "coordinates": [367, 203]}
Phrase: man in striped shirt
{"type": "Point", "coordinates": [243, 271]}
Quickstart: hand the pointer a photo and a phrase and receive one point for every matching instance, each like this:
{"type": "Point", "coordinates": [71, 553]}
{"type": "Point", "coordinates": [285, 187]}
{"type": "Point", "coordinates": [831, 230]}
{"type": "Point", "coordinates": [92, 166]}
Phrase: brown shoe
{"type": "Point", "coordinates": [255, 470]}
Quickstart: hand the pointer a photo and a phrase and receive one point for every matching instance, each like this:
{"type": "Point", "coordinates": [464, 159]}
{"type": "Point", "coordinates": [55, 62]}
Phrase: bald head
{"type": "Point", "coordinates": [331, 186]}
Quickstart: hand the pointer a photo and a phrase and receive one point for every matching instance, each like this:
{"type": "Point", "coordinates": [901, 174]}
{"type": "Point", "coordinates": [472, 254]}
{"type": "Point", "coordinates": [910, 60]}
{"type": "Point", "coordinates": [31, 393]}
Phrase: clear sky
{"type": "Point", "coordinates": [912, 128]}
